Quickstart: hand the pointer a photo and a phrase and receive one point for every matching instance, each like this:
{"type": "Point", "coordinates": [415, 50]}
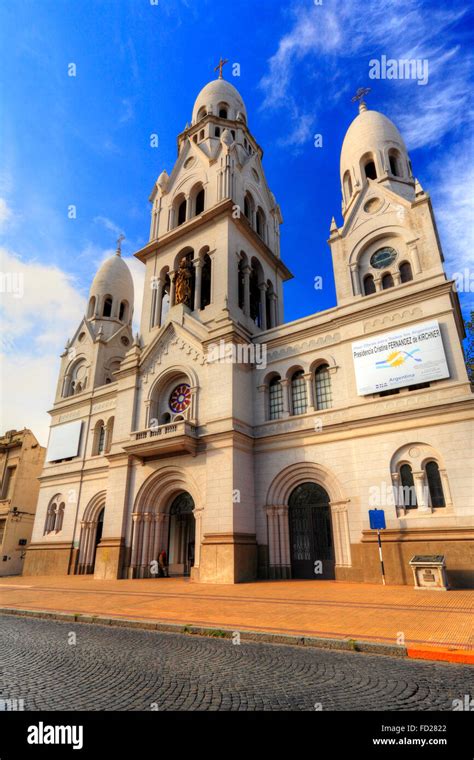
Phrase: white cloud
{"type": "Point", "coordinates": [322, 45]}
{"type": "Point", "coordinates": [6, 214]}
{"type": "Point", "coordinates": [40, 308]}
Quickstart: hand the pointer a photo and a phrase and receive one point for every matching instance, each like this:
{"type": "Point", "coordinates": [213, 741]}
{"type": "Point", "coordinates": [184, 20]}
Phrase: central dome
{"type": "Point", "coordinates": [217, 95]}
{"type": "Point", "coordinates": [113, 279]}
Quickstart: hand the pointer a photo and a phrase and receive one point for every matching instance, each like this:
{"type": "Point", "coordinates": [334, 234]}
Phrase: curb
{"type": "Point", "coordinates": [348, 645]}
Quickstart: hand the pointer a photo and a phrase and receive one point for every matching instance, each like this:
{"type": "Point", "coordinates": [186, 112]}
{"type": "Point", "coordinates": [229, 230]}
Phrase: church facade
{"type": "Point", "coordinates": [243, 446]}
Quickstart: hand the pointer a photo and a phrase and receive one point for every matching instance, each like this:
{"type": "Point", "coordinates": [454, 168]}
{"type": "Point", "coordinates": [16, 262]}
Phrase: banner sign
{"type": "Point", "coordinates": [407, 356]}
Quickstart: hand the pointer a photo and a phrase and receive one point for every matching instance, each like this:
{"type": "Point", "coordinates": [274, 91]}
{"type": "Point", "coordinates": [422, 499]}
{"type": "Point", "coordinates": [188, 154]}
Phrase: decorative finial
{"type": "Point", "coordinates": [359, 96]}
{"type": "Point", "coordinates": [220, 65]}
{"type": "Point", "coordinates": [121, 237]}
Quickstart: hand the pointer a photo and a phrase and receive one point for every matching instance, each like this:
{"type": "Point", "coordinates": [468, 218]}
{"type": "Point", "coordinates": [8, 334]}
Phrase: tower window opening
{"type": "Point", "coordinates": [370, 170]}
{"type": "Point", "coordinates": [107, 310]}
{"type": "Point", "coordinates": [298, 393]}
{"type": "Point", "coordinates": [407, 487]}
{"type": "Point", "coordinates": [123, 310]}
{"type": "Point", "coordinates": [223, 113]}
{"type": "Point", "coordinates": [201, 134]}
{"type": "Point", "coordinates": [369, 285]}
{"type": "Point", "coordinates": [394, 165]}
{"type": "Point", "coordinates": [206, 282]}
{"type": "Point", "coordinates": [347, 183]}
{"type": "Point", "coordinates": [217, 131]}
{"type": "Point", "coordinates": [275, 395]}
{"type": "Point", "coordinates": [406, 273]}
{"type": "Point", "coordinates": [182, 212]}
{"type": "Point", "coordinates": [200, 202]}
{"type": "Point", "coordinates": [435, 485]}
{"type": "Point", "coordinates": [387, 281]}
{"type": "Point", "coordinates": [232, 132]}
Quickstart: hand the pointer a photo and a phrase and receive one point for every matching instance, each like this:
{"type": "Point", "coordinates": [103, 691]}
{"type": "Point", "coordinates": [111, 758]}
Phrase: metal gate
{"type": "Point", "coordinates": [310, 533]}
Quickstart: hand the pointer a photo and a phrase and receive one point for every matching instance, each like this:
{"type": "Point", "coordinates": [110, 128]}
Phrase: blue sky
{"type": "Point", "coordinates": [84, 140]}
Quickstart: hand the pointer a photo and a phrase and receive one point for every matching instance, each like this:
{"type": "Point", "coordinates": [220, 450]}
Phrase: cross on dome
{"type": "Point", "coordinates": [220, 66]}
{"type": "Point", "coordinates": [359, 96]}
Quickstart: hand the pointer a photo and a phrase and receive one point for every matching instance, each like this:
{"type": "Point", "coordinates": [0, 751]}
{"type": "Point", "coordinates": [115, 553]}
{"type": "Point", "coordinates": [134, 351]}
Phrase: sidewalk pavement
{"type": "Point", "coordinates": [425, 624]}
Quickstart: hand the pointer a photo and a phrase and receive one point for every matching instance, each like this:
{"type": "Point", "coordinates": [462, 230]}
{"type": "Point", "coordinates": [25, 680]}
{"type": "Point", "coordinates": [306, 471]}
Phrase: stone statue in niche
{"type": "Point", "coordinates": [183, 283]}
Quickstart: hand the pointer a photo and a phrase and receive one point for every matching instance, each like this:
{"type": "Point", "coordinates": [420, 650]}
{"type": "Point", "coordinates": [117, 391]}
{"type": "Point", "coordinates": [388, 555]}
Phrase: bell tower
{"type": "Point", "coordinates": [214, 247]}
{"type": "Point", "coordinates": [388, 237]}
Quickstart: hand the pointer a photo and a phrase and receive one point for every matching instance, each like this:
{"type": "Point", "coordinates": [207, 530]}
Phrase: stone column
{"type": "Point", "coordinates": [146, 540]}
{"type": "Point", "coordinates": [284, 530]}
{"type": "Point", "coordinates": [378, 283]}
{"type": "Point", "coordinates": [273, 557]}
{"type": "Point", "coordinates": [308, 379]}
{"type": "Point", "coordinates": [157, 309]}
{"type": "Point", "coordinates": [419, 478]}
{"type": "Point", "coordinates": [189, 209]}
{"type": "Point", "coordinates": [172, 275]}
{"type": "Point", "coordinates": [198, 280]}
{"type": "Point", "coordinates": [448, 499]}
{"type": "Point", "coordinates": [398, 502]}
{"type": "Point", "coordinates": [285, 385]}
{"type": "Point", "coordinates": [341, 535]}
{"type": "Point", "coordinates": [263, 305]}
{"type": "Point", "coordinates": [355, 278]}
{"type": "Point", "coordinates": [158, 523]}
{"type": "Point", "coordinates": [396, 278]}
{"type": "Point", "coordinates": [136, 523]}
{"type": "Point", "coordinates": [415, 257]}
{"type": "Point", "coordinates": [197, 545]}
{"type": "Point", "coordinates": [273, 310]}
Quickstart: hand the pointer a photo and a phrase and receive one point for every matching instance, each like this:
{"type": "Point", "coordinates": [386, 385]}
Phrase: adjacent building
{"type": "Point", "coordinates": [21, 462]}
{"type": "Point", "coordinates": [244, 446]}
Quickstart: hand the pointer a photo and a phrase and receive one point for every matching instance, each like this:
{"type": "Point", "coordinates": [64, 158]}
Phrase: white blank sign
{"type": "Point", "coordinates": [64, 441]}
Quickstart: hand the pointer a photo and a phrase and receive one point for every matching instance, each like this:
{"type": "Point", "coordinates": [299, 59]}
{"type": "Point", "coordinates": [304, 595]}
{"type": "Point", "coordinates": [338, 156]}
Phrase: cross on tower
{"type": "Point", "coordinates": [119, 244]}
{"type": "Point", "coordinates": [360, 94]}
{"type": "Point", "coordinates": [220, 66]}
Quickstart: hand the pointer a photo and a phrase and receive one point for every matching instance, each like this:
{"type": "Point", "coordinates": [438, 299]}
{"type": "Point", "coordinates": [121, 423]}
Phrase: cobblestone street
{"type": "Point", "coordinates": [123, 669]}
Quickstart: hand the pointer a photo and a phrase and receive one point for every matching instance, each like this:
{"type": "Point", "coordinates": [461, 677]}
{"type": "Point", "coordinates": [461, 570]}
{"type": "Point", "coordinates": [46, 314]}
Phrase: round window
{"type": "Point", "coordinates": [383, 258]}
{"type": "Point", "coordinates": [180, 398]}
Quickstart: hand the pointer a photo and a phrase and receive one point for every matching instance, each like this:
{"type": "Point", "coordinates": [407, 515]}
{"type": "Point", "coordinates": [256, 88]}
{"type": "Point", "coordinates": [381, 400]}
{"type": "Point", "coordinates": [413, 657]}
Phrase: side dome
{"type": "Point", "coordinates": [111, 293]}
{"type": "Point", "coordinates": [373, 136]}
{"type": "Point", "coordinates": [219, 95]}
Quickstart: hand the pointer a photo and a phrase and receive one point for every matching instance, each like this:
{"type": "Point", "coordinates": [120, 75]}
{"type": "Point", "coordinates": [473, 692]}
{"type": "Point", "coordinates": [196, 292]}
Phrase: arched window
{"type": "Point", "coordinates": [59, 517]}
{"type": "Point", "coordinates": [55, 515]}
{"type": "Point", "coordinates": [201, 113]}
{"type": "Point", "coordinates": [99, 438]}
{"type": "Point", "coordinates": [75, 379]}
{"type": "Point", "coordinates": [91, 310]}
{"type": "Point", "coordinates": [269, 298]}
{"type": "Point", "coordinates": [370, 170]}
{"type": "Point", "coordinates": [275, 397]}
{"type": "Point", "coordinates": [369, 285]}
{"type": "Point", "coordinates": [199, 202]}
{"type": "Point", "coordinates": [223, 111]}
{"type": "Point", "coordinates": [407, 487]}
{"type": "Point", "coordinates": [347, 185]}
{"type": "Point", "coordinates": [123, 311]}
{"type": "Point", "coordinates": [406, 273]}
{"type": "Point", "coordinates": [299, 401]}
{"type": "Point", "coordinates": [217, 131]}
{"type": "Point", "coordinates": [435, 485]}
{"type": "Point", "coordinates": [50, 518]}
{"type": "Point", "coordinates": [201, 135]}
{"type": "Point", "coordinates": [249, 207]}
{"type": "Point", "coordinates": [107, 308]}
{"type": "Point", "coordinates": [206, 281]}
{"type": "Point", "coordinates": [181, 212]}
{"type": "Point", "coordinates": [387, 281]}
{"type": "Point", "coordinates": [322, 387]}
{"type": "Point", "coordinates": [395, 163]}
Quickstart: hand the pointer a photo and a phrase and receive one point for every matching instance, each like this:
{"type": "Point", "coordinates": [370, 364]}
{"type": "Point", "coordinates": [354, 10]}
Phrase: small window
{"type": "Point", "coordinates": [101, 440]}
{"type": "Point", "coordinates": [394, 166]}
{"type": "Point", "coordinates": [182, 212]}
{"type": "Point", "coordinates": [107, 310]}
{"type": "Point", "coordinates": [123, 310]}
{"type": "Point", "coordinates": [91, 310]}
{"type": "Point", "coordinates": [201, 134]}
{"type": "Point", "coordinates": [406, 274]}
{"type": "Point", "coordinates": [223, 113]}
{"type": "Point", "coordinates": [200, 202]}
{"type": "Point", "coordinates": [408, 492]}
{"type": "Point", "coordinates": [217, 131]}
{"type": "Point", "coordinates": [369, 285]}
{"type": "Point", "coordinates": [370, 170]}
{"type": "Point", "coordinates": [435, 485]}
{"type": "Point", "coordinates": [387, 281]}
{"type": "Point", "coordinates": [276, 398]}
{"type": "Point", "coordinates": [322, 383]}
{"type": "Point", "coordinates": [298, 393]}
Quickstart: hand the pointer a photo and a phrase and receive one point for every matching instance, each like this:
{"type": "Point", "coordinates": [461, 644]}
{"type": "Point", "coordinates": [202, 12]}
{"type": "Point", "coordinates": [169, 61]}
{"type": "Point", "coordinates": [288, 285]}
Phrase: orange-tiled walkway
{"type": "Point", "coordinates": [328, 609]}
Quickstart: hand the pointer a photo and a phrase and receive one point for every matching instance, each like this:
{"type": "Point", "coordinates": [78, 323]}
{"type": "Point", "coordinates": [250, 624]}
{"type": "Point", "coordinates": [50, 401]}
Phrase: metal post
{"type": "Point", "coordinates": [381, 557]}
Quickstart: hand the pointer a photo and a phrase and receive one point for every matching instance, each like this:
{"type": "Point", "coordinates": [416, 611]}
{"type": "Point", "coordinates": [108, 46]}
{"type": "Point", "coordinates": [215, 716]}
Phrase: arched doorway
{"type": "Point", "coordinates": [91, 533]}
{"type": "Point", "coordinates": [182, 530]}
{"type": "Point", "coordinates": [311, 542]}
